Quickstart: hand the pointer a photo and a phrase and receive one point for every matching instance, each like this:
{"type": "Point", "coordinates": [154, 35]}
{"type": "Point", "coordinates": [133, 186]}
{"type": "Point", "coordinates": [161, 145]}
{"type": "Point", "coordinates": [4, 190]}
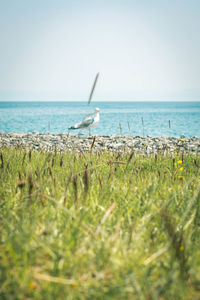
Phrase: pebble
{"type": "Point", "coordinates": [69, 142]}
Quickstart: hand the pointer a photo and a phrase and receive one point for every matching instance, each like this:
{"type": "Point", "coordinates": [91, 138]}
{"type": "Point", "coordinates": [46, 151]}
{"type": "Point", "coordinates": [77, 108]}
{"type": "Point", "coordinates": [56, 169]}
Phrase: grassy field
{"type": "Point", "coordinates": [99, 226]}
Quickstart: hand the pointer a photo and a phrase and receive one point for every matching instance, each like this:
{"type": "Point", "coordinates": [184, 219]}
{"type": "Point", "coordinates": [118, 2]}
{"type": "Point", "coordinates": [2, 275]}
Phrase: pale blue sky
{"type": "Point", "coordinates": [144, 49]}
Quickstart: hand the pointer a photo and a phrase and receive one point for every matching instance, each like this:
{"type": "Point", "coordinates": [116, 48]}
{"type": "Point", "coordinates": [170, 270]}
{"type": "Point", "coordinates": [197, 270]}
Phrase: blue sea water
{"type": "Point", "coordinates": [56, 117]}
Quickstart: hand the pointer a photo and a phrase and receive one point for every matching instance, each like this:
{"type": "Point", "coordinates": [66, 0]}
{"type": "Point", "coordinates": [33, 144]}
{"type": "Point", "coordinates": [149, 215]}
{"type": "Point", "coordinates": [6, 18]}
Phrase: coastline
{"type": "Point", "coordinates": [73, 142]}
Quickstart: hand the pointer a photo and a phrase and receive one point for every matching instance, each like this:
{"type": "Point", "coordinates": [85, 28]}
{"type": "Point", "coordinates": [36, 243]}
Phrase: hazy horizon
{"type": "Point", "coordinates": [143, 50]}
{"type": "Point", "coordinates": [99, 101]}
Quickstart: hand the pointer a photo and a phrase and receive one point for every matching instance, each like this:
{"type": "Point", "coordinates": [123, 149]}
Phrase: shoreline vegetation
{"type": "Point", "coordinates": [95, 222]}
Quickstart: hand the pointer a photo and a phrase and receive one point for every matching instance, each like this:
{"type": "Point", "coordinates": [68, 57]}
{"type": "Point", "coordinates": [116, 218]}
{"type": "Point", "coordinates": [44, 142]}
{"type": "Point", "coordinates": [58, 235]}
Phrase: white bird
{"type": "Point", "coordinates": [91, 121]}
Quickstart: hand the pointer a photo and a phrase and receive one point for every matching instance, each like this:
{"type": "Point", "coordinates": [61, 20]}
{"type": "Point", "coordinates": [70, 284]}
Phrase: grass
{"type": "Point", "coordinates": [99, 226]}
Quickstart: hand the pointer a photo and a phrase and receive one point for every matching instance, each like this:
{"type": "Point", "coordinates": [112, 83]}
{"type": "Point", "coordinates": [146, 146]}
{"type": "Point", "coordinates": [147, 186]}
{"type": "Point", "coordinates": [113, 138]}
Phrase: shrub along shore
{"type": "Point", "coordinates": [98, 224]}
{"type": "Point", "coordinates": [113, 143]}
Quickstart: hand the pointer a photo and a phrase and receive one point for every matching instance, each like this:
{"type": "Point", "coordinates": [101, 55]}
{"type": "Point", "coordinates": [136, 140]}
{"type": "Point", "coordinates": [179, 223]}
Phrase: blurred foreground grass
{"type": "Point", "coordinates": [99, 226]}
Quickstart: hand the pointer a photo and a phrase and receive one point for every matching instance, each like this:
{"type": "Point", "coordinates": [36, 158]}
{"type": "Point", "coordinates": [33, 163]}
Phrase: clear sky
{"type": "Point", "coordinates": [143, 49]}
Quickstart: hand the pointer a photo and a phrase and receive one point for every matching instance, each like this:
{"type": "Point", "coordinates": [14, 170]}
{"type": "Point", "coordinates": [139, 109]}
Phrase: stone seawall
{"type": "Point", "coordinates": [68, 142]}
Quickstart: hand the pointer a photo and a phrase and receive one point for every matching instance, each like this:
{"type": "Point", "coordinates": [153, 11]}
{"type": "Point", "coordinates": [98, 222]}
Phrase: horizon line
{"type": "Point", "coordinates": [193, 100]}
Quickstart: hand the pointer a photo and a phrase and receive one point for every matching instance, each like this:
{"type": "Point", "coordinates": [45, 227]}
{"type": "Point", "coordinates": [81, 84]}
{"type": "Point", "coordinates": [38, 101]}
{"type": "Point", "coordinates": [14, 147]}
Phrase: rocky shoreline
{"type": "Point", "coordinates": [67, 142]}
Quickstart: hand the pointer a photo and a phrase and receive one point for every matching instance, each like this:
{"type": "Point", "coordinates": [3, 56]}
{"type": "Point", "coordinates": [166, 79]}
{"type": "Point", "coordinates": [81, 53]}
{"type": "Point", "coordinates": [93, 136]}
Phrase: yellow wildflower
{"type": "Point", "coordinates": [182, 139]}
{"type": "Point", "coordinates": [181, 169]}
{"type": "Point", "coordinates": [180, 162]}
{"type": "Point", "coordinates": [181, 248]}
{"type": "Point", "coordinates": [32, 285]}
{"type": "Point", "coordinates": [175, 164]}
{"type": "Point", "coordinates": [180, 177]}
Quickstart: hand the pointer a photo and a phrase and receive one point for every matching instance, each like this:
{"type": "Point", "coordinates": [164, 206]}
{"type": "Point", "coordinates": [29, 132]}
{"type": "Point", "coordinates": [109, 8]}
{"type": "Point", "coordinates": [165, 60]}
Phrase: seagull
{"type": "Point", "coordinates": [90, 121]}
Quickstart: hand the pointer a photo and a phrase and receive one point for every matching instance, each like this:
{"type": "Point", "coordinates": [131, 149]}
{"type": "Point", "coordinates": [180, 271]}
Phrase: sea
{"type": "Point", "coordinates": [119, 118]}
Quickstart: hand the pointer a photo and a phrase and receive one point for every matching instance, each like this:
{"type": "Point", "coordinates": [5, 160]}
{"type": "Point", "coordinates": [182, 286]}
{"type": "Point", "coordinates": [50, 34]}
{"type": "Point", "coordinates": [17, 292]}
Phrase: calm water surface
{"type": "Point", "coordinates": [58, 116]}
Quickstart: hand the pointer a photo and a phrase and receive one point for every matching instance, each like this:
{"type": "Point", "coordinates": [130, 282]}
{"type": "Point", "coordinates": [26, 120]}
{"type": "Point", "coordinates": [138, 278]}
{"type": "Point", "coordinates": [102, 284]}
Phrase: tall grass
{"type": "Point", "coordinates": [99, 226]}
